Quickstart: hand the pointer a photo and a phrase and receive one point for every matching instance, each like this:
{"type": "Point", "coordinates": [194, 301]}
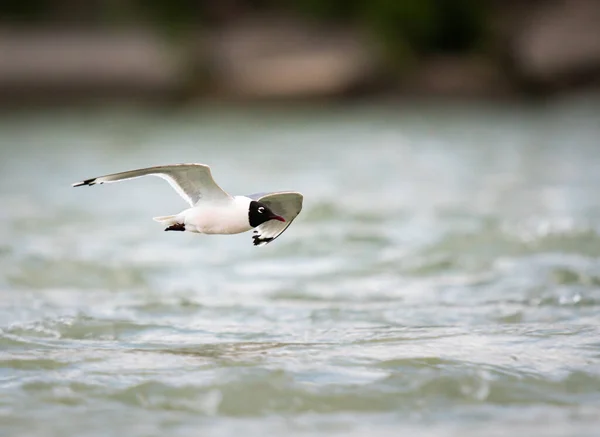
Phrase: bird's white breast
{"type": "Point", "coordinates": [223, 217]}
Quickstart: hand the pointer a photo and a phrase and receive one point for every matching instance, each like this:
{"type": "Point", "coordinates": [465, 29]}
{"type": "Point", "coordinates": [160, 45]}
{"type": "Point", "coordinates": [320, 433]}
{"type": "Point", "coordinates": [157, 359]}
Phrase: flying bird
{"type": "Point", "coordinates": [214, 211]}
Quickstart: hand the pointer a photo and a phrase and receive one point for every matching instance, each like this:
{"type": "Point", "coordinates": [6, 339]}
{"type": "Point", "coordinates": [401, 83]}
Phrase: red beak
{"type": "Point", "coordinates": [277, 217]}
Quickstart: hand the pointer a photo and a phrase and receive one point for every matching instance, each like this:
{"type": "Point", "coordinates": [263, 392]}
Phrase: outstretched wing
{"type": "Point", "coordinates": [287, 204]}
{"type": "Point", "coordinates": [193, 182]}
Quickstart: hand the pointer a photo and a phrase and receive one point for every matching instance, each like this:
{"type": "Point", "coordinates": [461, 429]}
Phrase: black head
{"type": "Point", "coordinates": [258, 213]}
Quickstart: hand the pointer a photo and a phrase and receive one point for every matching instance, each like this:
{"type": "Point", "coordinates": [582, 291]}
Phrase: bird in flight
{"type": "Point", "coordinates": [214, 211]}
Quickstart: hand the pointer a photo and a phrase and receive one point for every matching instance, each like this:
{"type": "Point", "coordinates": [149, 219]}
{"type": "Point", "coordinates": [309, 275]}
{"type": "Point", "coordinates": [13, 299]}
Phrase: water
{"type": "Point", "coordinates": [442, 279]}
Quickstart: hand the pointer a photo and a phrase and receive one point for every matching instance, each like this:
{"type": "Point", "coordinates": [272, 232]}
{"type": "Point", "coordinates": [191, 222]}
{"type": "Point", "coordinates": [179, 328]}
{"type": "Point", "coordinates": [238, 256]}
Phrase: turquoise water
{"type": "Point", "coordinates": [442, 280]}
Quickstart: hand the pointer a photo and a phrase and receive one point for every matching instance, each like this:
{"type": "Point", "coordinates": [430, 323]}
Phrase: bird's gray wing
{"type": "Point", "coordinates": [287, 204]}
{"type": "Point", "coordinates": [193, 182]}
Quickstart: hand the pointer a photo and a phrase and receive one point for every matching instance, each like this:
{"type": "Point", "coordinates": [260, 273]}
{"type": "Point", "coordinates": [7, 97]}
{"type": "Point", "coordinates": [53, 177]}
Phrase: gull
{"type": "Point", "coordinates": [212, 210]}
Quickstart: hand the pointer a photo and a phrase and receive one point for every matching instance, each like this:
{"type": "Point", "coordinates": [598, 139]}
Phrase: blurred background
{"type": "Point", "coordinates": [442, 279]}
{"type": "Point", "coordinates": [65, 50]}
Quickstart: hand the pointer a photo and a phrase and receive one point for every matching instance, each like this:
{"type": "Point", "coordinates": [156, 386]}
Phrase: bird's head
{"type": "Point", "coordinates": [258, 213]}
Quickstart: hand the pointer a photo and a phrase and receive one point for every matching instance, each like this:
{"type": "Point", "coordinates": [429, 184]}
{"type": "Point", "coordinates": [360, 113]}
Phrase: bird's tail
{"type": "Point", "coordinates": [171, 222]}
{"type": "Point", "coordinates": [166, 219]}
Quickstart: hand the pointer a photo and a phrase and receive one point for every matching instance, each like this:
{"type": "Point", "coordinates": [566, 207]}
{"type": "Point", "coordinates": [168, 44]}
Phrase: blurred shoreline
{"type": "Point", "coordinates": [536, 48]}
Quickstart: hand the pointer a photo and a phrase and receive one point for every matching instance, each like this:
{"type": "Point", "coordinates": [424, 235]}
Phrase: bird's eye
{"type": "Point", "coordinates": [261, 210]}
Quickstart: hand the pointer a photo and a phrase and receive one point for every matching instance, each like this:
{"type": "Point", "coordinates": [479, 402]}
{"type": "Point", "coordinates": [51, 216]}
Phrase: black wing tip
{"type": "Point", "coordinates": [88, 182]}
{"type": "Point", "coordinates": [258, 241]}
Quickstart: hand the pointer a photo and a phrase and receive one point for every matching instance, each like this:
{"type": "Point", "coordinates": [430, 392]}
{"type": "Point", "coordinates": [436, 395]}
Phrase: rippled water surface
{"type": "Point", "coordinates": [442, 280]}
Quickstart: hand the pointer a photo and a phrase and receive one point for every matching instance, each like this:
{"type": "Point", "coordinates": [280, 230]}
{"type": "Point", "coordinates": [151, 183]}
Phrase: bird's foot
{"type": "Point", "coordinates": [176, 227]}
